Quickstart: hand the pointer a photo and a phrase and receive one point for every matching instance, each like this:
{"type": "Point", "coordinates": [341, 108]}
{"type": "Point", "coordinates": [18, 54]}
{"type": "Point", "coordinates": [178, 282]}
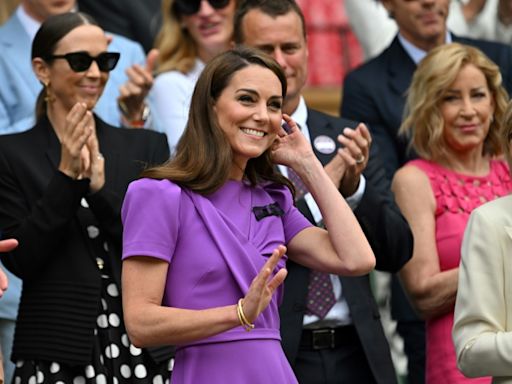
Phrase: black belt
{"type": "Point", "coordinates": [327, 338]}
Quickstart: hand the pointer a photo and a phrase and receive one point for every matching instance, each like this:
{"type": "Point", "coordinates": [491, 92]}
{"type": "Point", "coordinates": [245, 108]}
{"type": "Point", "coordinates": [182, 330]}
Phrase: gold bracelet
{"type": "Point", "coordinates": [248, 326]}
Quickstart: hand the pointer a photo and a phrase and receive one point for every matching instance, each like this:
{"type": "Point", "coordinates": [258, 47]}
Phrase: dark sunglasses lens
{"type": "Point", "coordinates": [107, 61]}
{"type": "Point", "coordinates": [79, 61]}
{"type": "Point", "coordinates": [218, 4]}
{"type": "Point", "coordinates": [190, 7]}
{"type": "Point", "coordinates": [187, 7]}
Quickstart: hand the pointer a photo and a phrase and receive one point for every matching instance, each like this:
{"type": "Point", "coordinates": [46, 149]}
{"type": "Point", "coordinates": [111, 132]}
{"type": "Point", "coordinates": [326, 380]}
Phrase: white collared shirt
{"type": "Point", "coordinates": [415, 53]}
{"type": "Point", "coordinates": [29, 24]}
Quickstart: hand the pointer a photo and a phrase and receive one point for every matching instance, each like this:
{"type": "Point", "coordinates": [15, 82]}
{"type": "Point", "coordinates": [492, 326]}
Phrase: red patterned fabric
{"type": "Point", "coordinates": [333, 48]}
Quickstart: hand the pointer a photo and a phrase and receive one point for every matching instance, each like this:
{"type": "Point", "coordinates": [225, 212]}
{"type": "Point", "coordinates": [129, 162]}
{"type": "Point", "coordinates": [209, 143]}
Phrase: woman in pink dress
{"type": "Point", "coordinates": [453, 116]}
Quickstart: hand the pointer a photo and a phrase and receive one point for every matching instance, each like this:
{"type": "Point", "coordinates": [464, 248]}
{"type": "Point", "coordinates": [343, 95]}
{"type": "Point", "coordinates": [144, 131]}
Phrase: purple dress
{"type": "Point", "coordinates": [215, 246]}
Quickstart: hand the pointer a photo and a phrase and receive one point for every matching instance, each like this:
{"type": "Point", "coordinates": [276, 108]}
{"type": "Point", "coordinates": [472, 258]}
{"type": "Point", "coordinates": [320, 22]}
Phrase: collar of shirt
{"type": "Point", "coordinates": [415, 53]}
{"type": "Point", "coordinates": [29, 24]}
{"type": "Point", "coordinates": [300, 116]}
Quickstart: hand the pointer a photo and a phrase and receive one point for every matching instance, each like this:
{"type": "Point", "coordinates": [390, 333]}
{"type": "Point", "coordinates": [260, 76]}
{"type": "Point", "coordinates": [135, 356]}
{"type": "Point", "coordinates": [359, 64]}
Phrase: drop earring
{"type": "Point", "coordinates": [48, 97]}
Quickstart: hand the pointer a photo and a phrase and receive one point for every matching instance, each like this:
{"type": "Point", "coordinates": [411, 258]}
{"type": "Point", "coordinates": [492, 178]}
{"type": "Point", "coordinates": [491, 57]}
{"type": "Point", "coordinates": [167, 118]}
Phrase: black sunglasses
{"type": "Point", "coordinates": [81, 61]}
{"type": "Point", "coordinates": [190, 7]}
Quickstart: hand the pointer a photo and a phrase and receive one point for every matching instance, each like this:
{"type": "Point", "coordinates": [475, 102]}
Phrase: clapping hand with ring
{"type": "Point", "coordinates": [354, 152]}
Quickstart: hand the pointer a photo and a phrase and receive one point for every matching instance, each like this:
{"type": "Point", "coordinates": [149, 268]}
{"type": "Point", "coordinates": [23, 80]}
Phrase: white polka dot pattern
{"type": "Point", "coordinates": [114, 320]}
{"type": "Point", "coordinates": [112, 351]}
{"type": "Point", "coordinates": [93, 231]}
{"type": "Point", "coordinates": [126, 372]}
{"type": "Point", "coordinates": [140, 371]}
{"type": "Point", "coordinates": [102, 321]}
{"type": "Point", "coordinates": [90, 372]}
{"type": "Point", "coordinates": [135, 351]}
{"type": "Point", "coordinates": [112, 290]}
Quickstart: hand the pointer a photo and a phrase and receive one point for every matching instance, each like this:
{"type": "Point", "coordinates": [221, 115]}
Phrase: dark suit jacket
{"type": "Point", "coordinates": [391, 241]}
{"type": "Point", "coordinates": [139, 20]}
{"type": "Point", "coordinates": [41, 207]}
{"type": "Point", "coordinates": [375, 93]}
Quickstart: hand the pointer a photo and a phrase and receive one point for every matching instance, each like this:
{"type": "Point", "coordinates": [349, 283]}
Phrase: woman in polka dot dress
{"type": "Point", "coordinates": [61, 187]}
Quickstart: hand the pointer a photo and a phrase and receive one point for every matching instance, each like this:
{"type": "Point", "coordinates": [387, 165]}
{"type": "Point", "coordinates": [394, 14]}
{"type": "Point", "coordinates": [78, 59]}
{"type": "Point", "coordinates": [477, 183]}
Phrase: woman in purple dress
{"type": "Point", "coordinates": [205, 234]}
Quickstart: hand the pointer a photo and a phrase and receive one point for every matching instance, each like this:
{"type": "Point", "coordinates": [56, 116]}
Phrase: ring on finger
{"type": "Point", "coordinates": [99, 156]}
{"type": "Point", "coordinates": [360, 159]}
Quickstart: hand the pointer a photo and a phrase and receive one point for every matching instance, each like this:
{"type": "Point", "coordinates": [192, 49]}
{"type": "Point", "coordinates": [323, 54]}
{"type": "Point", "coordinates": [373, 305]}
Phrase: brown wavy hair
{"type": "Point", "coordinates": [203, 157]}
{"type": "Point", "coordinates": [422, 119]}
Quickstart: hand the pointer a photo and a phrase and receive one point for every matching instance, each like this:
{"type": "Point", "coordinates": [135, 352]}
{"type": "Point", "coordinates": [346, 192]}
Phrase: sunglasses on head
{"type": "Point", "coordinates": [81, 61]}
{"type": "Point", "coordinates": [190, 7]}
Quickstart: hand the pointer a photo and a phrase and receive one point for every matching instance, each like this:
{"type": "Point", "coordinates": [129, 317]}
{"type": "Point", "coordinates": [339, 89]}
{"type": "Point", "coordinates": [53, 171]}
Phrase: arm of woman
{"type": "Point", "coordinates": [431, 290]}
{"type": "Point", "coordinates": [482, 339]}
{"type": "Point", "coordinates": [342, 249]}
{"type": "Point", "coordinates": [40, 222]}
{"type": "Point", "coordinates": [150, 324]}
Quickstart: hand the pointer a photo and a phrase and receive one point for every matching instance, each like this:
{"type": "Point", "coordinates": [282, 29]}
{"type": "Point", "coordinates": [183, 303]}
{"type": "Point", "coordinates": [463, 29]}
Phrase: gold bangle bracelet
{"type": "Point", "coordinates": [248, 326]}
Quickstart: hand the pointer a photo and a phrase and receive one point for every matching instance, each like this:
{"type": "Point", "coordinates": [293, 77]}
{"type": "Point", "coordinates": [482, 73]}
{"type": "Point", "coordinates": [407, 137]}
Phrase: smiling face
{"type": "Point", "coordinates": [282, 38]}
{"type": "Point", "coordinates": [66, 86]}
{"type": "Point", "coordinates": [467, 108]}
{"type": "Point", "coordinates": [210, 28]}
{"type": "Point", "coordinates": [249, 113]}
{"type": "Point", "coordinates": [421, 22]}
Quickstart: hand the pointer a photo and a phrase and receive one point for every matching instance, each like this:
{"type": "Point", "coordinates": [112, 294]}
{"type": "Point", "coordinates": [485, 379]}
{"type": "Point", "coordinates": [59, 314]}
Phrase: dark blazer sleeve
{"type": "Point", "coordinates": [359, 104]}
{"type": "Point", "coordinates": [40, 229]}
{"type": "Point", "coordinates": [381, 220]}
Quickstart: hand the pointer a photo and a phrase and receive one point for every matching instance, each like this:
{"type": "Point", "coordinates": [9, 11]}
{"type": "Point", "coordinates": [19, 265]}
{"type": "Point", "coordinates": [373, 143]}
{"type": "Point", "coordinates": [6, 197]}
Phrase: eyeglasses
{"type": "Point", "coordinates": [81, 61]}
{"type": "Point", "coordinates": [190, 7]}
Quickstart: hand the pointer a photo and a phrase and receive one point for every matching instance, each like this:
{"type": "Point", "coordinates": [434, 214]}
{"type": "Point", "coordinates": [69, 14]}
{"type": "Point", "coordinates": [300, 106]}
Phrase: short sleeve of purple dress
{"type": "Point", "coordinates": [215, 246]}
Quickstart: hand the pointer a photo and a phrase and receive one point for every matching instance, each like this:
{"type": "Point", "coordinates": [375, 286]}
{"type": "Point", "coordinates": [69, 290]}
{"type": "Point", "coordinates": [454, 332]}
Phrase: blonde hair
{"type": "Point", "coordinates": [178, 51]}
{"type": "Point", "coordinates": [422, 118]}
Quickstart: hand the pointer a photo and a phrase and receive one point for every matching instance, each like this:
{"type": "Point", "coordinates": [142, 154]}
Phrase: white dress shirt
{"type": "Point", "coordinates": [339, 313]}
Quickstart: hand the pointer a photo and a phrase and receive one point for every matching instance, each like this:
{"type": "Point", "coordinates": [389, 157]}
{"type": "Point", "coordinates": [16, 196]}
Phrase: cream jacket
{"type": "Point", "coordinates": [482, 330]}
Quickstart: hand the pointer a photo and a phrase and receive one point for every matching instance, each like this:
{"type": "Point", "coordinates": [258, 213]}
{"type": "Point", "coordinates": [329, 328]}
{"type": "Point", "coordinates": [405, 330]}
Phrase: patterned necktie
{"type": "Point", "coordinates": [320, 298]}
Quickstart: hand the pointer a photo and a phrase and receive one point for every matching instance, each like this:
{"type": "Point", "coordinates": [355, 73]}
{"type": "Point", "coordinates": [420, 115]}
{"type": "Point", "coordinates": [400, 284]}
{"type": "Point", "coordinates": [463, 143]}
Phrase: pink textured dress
{"type": "Point", "coordinates": [456, 196]}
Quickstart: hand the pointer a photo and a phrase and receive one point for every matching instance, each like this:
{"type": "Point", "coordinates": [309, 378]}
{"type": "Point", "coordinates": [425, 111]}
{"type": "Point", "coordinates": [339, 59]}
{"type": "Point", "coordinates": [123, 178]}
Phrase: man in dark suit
{"type": "Point", "coordinates": [347, 345]}
{"type": "Point", "coordinates": [375, 93]}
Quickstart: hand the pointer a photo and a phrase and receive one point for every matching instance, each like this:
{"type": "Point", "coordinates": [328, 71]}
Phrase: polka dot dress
{"type": "Point", "coordinates": [115, 360]}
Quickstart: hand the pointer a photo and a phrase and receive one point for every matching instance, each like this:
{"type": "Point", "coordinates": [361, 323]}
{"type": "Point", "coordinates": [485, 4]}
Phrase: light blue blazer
{"type": "Point", "coordinates": [20, 87]}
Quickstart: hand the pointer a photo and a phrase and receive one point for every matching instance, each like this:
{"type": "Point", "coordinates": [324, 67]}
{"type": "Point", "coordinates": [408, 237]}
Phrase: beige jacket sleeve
{"type": "Point", "coordinates": [482, 329]}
